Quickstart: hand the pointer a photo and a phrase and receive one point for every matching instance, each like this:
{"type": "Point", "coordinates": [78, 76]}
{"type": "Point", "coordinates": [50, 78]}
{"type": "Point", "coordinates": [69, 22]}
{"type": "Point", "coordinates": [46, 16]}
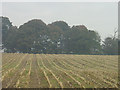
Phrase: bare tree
{"type": "Point", "coordinates": [115, 33]}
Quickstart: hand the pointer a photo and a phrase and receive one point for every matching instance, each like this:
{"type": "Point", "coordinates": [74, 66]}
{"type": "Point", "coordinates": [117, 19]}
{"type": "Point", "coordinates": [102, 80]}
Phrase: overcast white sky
{"type": "Point", "coordinates": [99, 16]}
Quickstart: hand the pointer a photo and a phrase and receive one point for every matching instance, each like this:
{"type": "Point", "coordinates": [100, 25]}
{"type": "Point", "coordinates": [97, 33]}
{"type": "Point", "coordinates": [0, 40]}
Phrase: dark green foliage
{"type": "Point", "coordinates": [61, 24]}
{"type": "Point", "coordinates": [110, 46]}
{"type": "Point", "coordinates": [55, 38]}
{"type": "Point", "coordinates": [6, 25]}
{"type": "Point", "coordinates": [80, 40]}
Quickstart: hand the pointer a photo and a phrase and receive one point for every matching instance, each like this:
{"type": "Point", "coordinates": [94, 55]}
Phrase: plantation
{"type": "Point", "coordinates": [59, 71]}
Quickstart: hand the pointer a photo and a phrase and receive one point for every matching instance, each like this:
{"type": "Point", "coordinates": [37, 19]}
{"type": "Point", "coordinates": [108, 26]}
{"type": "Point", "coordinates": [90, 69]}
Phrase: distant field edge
{"type": "Point", "coordinates": [60, 89]}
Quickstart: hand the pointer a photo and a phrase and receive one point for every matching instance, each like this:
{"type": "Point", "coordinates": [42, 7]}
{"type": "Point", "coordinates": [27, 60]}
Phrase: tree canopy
{"type": "Point", "coordinates": [58, 37]}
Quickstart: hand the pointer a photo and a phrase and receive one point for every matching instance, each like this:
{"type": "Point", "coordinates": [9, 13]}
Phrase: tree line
{"type": "Point", "coordinates": [58, 37]}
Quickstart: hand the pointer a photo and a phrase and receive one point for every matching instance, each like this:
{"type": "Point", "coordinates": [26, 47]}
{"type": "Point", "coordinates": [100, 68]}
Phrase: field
{"type": "Point", "coordinates": [59, 71]}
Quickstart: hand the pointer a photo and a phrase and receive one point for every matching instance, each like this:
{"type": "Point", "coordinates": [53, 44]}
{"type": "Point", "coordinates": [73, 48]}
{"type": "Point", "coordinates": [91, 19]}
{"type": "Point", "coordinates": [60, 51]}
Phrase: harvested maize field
{"type": "Point", "coordinates": [59, 71]}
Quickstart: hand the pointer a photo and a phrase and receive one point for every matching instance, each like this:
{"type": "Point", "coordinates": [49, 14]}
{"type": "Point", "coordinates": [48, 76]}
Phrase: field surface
{"type": "Point", "coordinates": [59, 71]}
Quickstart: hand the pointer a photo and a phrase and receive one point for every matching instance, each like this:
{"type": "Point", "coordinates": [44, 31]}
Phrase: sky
{"type": "Point", "coordinates": [98, 16]}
